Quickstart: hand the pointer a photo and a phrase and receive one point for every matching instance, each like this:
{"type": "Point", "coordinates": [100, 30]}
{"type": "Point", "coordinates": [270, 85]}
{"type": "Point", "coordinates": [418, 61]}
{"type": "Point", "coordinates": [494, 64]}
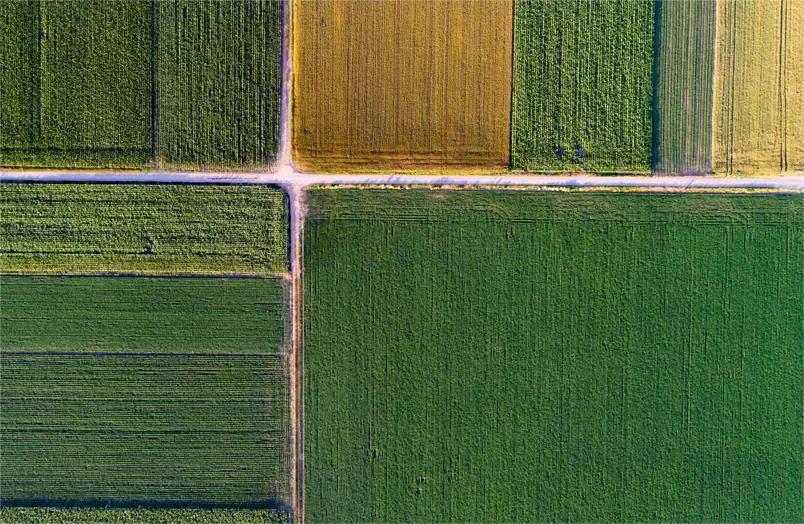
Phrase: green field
{"type": "Point", "coordinates": [553, 357]}
{"type": "Point", "coordinates": [152, 391]}
{"type": "Point", "coordinates": [203, 69]}
{"type": "Point", "coordinates": [140, 516]}
{"type": "Point", "coordinates": [138, 83]}
{"type": "Point", "coordinates": [142, 229]}
{"type": "Point", "coordinates": [685, 64]}
{"type": "Point", "coordinates": [582, 81]}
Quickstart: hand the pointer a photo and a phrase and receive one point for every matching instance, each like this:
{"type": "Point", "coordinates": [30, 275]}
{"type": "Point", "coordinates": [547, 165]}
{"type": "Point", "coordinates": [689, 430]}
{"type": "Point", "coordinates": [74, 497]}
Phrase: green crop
{"type": "Point", "coordinates": [685, 63]}
{"type": "Point", "coordinates": [582, 85]}
{"type": "Point", "coordinates": [133, 83]}
{"type": "Point", "coordinates": [138, 390]}
{"type": "Point", "coordinates": [143, 229]}
{"type": "Point", "coordinates": [553, 357]}
{"type": "Point", "coordinates": [140, 516]}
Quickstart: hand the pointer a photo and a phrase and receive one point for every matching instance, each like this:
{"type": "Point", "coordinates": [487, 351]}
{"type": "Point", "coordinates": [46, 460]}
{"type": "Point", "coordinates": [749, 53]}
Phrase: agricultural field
{"type": "Point", "coordinates": [142, 229]}
{"type": "Point", "coordinates": [401, 85]}
{"type": "Point", "coordinates": [139, 83]}
{"type": "Point", "coordinates": [582, 85]}
{"type": "Point", "coordinates": [685, 64]}
{"type": "Point", "coordinates": [141, 516]}
{"type": "Point", "coordinates": [189, 409]}
{"type": "Point", "coordinates": [553, 357]}
{"type": "Point", "coordinates": [759, 87]}
{"type": "Point", "coordinates": [220, 60]}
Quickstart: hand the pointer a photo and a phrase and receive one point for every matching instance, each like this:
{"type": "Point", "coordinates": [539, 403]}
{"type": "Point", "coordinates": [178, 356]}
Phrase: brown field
{"type": "Point", "coordinates": [759, 87]}
{"type": "Point", "coordinates": [401, 85]}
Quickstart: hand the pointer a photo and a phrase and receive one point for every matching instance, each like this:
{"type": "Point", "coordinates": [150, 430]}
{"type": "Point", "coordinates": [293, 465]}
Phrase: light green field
{"type": "Point", "coordinates": [553, 357]}
{"type": "Point", "coordinates": [142, 229]}
{"type": "Point", "coordinates": [151, 391]}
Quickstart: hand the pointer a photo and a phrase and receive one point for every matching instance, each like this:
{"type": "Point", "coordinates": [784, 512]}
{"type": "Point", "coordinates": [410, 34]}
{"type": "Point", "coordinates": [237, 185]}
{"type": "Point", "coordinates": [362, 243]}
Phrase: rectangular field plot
{"type": "Point", "coordinates": [218, 78]}
{"type": "Point", "coordinates": [142, 229]}
{"type": "Point", "coordinates": [759, 87]}
{"type": "Point", "coordinates": [401, 85]}
{"type": "Point", "coordinates": [192, 409]}
{"type": "Point", "coordinates": [582, 85]}
{"type": "Point", "coordinates": [139, 83]}
{"type": "Point", "coordinates": [76, 80]}
{"type": "Point", "coordinates": [553, 357]}
{"type": "Point", "coordinates": [141, 515]}
{"type": "Point", "coordinates": [685, 64]}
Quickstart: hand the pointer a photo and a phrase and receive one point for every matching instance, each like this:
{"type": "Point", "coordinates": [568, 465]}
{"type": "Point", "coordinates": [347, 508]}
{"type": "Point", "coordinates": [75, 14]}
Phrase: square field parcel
{"type": "Point", "coordinates": [401, 84]}
{"type": "Point", "coordinates": [553, 357]}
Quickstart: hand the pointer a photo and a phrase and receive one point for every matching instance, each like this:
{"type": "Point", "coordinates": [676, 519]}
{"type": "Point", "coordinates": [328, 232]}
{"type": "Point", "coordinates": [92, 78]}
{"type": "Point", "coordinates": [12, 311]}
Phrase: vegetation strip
{"type": "Point", "coordinates": [142, 229]}
{"type": "Point", "coordinates": [532, 357]}
{"type": "Point", "coordinates": [104, 426]}
{"type": "Point", "coordinates": [58, 515]}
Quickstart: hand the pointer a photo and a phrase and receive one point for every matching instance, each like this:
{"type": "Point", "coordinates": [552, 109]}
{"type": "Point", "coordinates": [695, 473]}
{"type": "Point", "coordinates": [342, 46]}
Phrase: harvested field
{"type": "Point", "coordinates": [139, 83]}
{"type": "Point", "coordinates": [177, 416]}
{"type": "Point", "coordinates": [685, 64]}
{"type": "Point", "coordinates": [553, 357]}
{"type": "Point", "coordinates": [582, 82]}
{"type": "Point", "coordinates": [401, 85]}
{"type": "Point", "coordinates": [759, 87]}
{"type": "Point", "coordinates": [142, 229]}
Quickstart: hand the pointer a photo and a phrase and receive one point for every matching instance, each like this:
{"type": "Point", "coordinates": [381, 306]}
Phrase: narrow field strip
{"type": "Point", "coordinates": [759, 87]}
{"type": "Point", "coordinates": [143, 229]}
{"type": "Point", "coordinates": [683, 87]}
{"type": "Point", "coordinates": [539, 357]}
{"type": "Point", "coordinates": [86, 420]}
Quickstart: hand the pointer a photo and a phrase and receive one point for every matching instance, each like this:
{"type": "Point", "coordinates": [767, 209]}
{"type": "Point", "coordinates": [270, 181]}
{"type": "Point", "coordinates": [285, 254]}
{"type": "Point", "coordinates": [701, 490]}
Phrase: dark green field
{"type": "Point", "coordinates": [582, 85]}
{"type": "Point", "coordinates": [553, 357]}
{"type": "Point", "coordinates": [139, 83]}
{"type": "Point", "coordinates": [142, 229]}
{"type": "Point", "coordinates": [220, 60]}
{"type": "Point", "coordinates": [152, 391]}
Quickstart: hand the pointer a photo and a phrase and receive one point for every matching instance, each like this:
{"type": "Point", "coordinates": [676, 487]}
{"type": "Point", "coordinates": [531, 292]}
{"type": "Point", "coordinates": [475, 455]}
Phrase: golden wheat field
{"type": "Point", "coordinates": [401, 85]}
{"type": "Point", "coordinates": [759, 87]}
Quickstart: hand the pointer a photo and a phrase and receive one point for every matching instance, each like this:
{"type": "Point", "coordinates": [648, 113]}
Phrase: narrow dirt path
{"type": "Point", "coordinates": [297, 213]}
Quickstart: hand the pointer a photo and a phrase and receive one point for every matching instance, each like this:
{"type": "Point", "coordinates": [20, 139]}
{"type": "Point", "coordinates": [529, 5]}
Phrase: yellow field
{"type": "Point", "coordinates": [759, 87]}
{"type": "Point", "coordinates": [401, 84]}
